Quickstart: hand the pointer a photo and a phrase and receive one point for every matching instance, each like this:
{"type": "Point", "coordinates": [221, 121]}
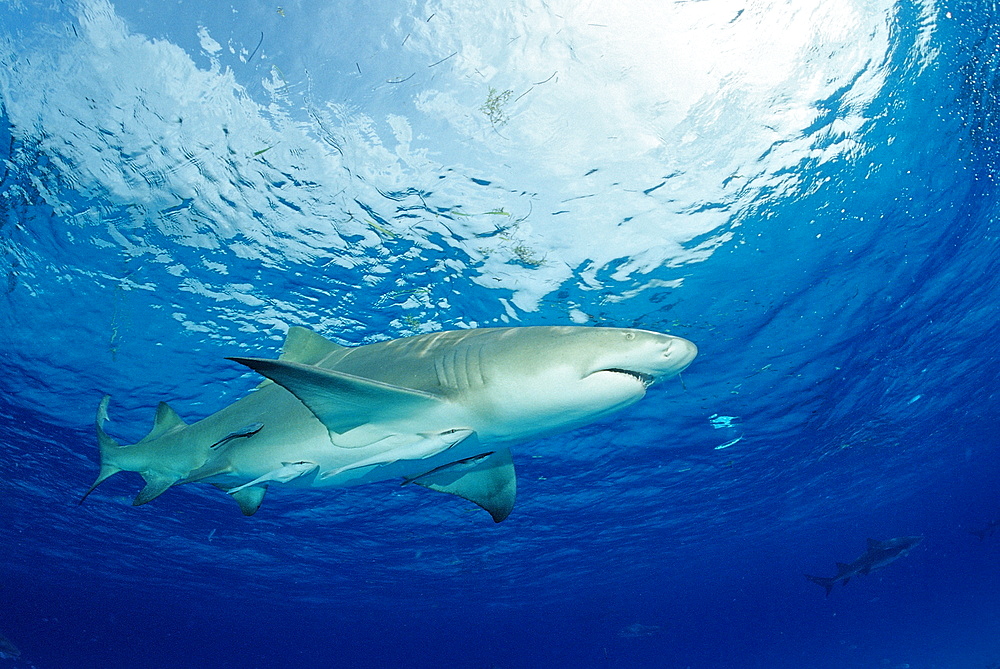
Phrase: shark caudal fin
{"type": "Point", "coordinates": [106, 445]}
{"type": "Point", "coordinates": [825, 581]}
{"type": "Point", "coordinates": [117, 458]}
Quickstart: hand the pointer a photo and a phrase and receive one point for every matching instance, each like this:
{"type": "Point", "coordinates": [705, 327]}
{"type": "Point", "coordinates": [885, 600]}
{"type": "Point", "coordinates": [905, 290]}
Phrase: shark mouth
{"type": "Point", "coordinates": [645, 379]}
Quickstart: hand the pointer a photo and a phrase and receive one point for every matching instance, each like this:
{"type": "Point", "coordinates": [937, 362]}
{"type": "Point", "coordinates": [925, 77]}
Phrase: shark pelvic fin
{"type": "Point", "coordinates": [250, 499]}
{"type": "Point", "coordinates": [306, 347]}
{"type": "Point", "coordinates": [341, 401]}
{"type": "Point", "coordinates": [107, 446]}
{"type": "Point", "coordinates": [156, 485]}
{"type": "Point", "coordinates": [487, 480]}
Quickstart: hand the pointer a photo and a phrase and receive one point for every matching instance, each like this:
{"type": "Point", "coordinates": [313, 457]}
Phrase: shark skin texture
{"type": "Point", "coordinates": [436, 410]}
{"type": "Point", "coordinates": [877, 555]}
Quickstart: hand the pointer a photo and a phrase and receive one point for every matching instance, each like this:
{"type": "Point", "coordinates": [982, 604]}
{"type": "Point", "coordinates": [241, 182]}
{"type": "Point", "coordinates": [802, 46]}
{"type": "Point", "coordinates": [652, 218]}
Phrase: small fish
{"type": "Point", "coordinates": [248, 431]}
{"type": "Point", "coordinates": [638, 631]}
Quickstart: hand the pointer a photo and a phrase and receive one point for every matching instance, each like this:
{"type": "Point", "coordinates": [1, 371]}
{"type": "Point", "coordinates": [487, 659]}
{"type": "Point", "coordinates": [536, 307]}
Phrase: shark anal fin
{"type": "Point", "coordinates": [156, 485]}
{"type": "Point", "coordinates": [487, 480]}
{"type": "Point", "coordinates": [250, 499]}
{"type": "Point", "coordinates": [341, 401]}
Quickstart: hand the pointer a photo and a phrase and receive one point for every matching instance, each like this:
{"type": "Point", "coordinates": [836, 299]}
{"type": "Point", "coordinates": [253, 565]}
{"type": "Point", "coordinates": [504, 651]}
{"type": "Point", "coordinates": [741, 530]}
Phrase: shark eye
{"type": "Point", "coordinates": [629, 336]}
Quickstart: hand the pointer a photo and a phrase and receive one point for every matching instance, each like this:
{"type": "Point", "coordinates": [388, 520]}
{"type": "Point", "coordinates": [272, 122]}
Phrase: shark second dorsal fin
{"type": "Point", "coordinates": [874, 545]}
{"type": "Point", "coordinates": [341, 401]}
{"type": "Point", "coordinates": [166, 420]}
{"type": "Point", "coordinates": [487, 480]}
{"type": "Point", "coordinates": [306, 347]}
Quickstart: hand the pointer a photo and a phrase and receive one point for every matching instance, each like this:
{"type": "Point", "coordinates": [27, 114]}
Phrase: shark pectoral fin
{"type": "Point", "coordinates": [156, 485]}
{"type": "Point", "coordinates": [487, 480]}
{"type": "Point", "coordinates": [250, 499]}
{"type": "Point", "coordinates": [341, 401]}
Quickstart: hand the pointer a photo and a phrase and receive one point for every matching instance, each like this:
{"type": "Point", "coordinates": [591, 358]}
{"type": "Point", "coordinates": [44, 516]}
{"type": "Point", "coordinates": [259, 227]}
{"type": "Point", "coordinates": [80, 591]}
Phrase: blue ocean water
{"type": "Point", "coordinates": [807, 192]}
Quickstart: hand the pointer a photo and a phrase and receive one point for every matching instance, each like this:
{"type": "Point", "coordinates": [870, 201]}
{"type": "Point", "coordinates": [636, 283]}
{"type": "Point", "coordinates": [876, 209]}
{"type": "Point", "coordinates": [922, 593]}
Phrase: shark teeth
{"type": "Point", "coordinates": [645, 379]}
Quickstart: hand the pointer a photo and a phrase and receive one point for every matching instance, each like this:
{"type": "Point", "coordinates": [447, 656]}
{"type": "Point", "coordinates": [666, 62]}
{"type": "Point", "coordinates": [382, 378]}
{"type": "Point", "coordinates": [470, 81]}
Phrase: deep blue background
{"type": "Point", "coordinates": [847, 329]}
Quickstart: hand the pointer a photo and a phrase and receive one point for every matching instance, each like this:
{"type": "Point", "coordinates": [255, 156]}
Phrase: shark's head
{"type": "Point", "coordinates": [562, 377]}
{"type": "Point", "coordinates": [613, 355]}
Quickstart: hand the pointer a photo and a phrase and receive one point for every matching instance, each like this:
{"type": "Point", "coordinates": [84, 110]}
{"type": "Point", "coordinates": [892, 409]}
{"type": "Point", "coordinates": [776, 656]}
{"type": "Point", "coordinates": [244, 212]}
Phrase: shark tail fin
{"type": "Point", "coordinates": [107, 447]}
{"type": "Point", "coordinates": [825, 581]}
{"type": "Point", "coordinates": [117, 458]}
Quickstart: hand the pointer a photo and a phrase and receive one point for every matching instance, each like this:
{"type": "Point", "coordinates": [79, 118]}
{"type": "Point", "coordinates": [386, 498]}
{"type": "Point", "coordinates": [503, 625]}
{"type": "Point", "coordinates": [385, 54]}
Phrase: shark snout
{"type": "Point", "coordinates": [680, 353]}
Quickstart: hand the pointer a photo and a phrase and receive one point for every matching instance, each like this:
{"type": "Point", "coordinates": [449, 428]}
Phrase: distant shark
{"type": "Point", "coordinates": [878, 554]}
{"type": "Point", "coordinates": [437, 410]}
{"type": "Point", "coordinates": [987, 531]}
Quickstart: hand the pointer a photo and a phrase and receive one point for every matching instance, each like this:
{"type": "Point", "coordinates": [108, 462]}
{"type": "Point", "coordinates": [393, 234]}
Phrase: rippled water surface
{"type": "Point", "coordinates": [805, 190]}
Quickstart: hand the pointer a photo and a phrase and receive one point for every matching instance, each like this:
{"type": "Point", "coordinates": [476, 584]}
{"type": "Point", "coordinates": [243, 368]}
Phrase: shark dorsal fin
{"type": "Point", "coordinates": [306, 347]}
{"type": "Point", "coordinates": [166, 420]}
{"type": "Point", "coordinates": [341, 401]}
{"type": "Point", "coordinates": [874, 545]}
{"type": "Point", "coordinates": [487, 480]}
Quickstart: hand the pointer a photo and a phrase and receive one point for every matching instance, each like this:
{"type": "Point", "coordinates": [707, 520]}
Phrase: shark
{"type": "Point", "coordinates": [438, 410]}
{"type": "Point", "coordinates": [877, 555]}
{"type": "Point", "coordinates": [987, 531]}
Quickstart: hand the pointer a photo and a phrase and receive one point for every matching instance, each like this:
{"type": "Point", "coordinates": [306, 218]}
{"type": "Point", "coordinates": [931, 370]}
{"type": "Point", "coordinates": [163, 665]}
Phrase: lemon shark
{"type": "Point", "coordinates": [877, 555]}
{"type": "Point", "coordinates": [437, 410]}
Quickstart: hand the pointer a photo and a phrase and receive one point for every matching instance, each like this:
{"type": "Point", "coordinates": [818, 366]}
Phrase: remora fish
{"type": "Point", "coordinates": [878, 554]}
{"type": "Point", "coordinates": [439, 410]}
